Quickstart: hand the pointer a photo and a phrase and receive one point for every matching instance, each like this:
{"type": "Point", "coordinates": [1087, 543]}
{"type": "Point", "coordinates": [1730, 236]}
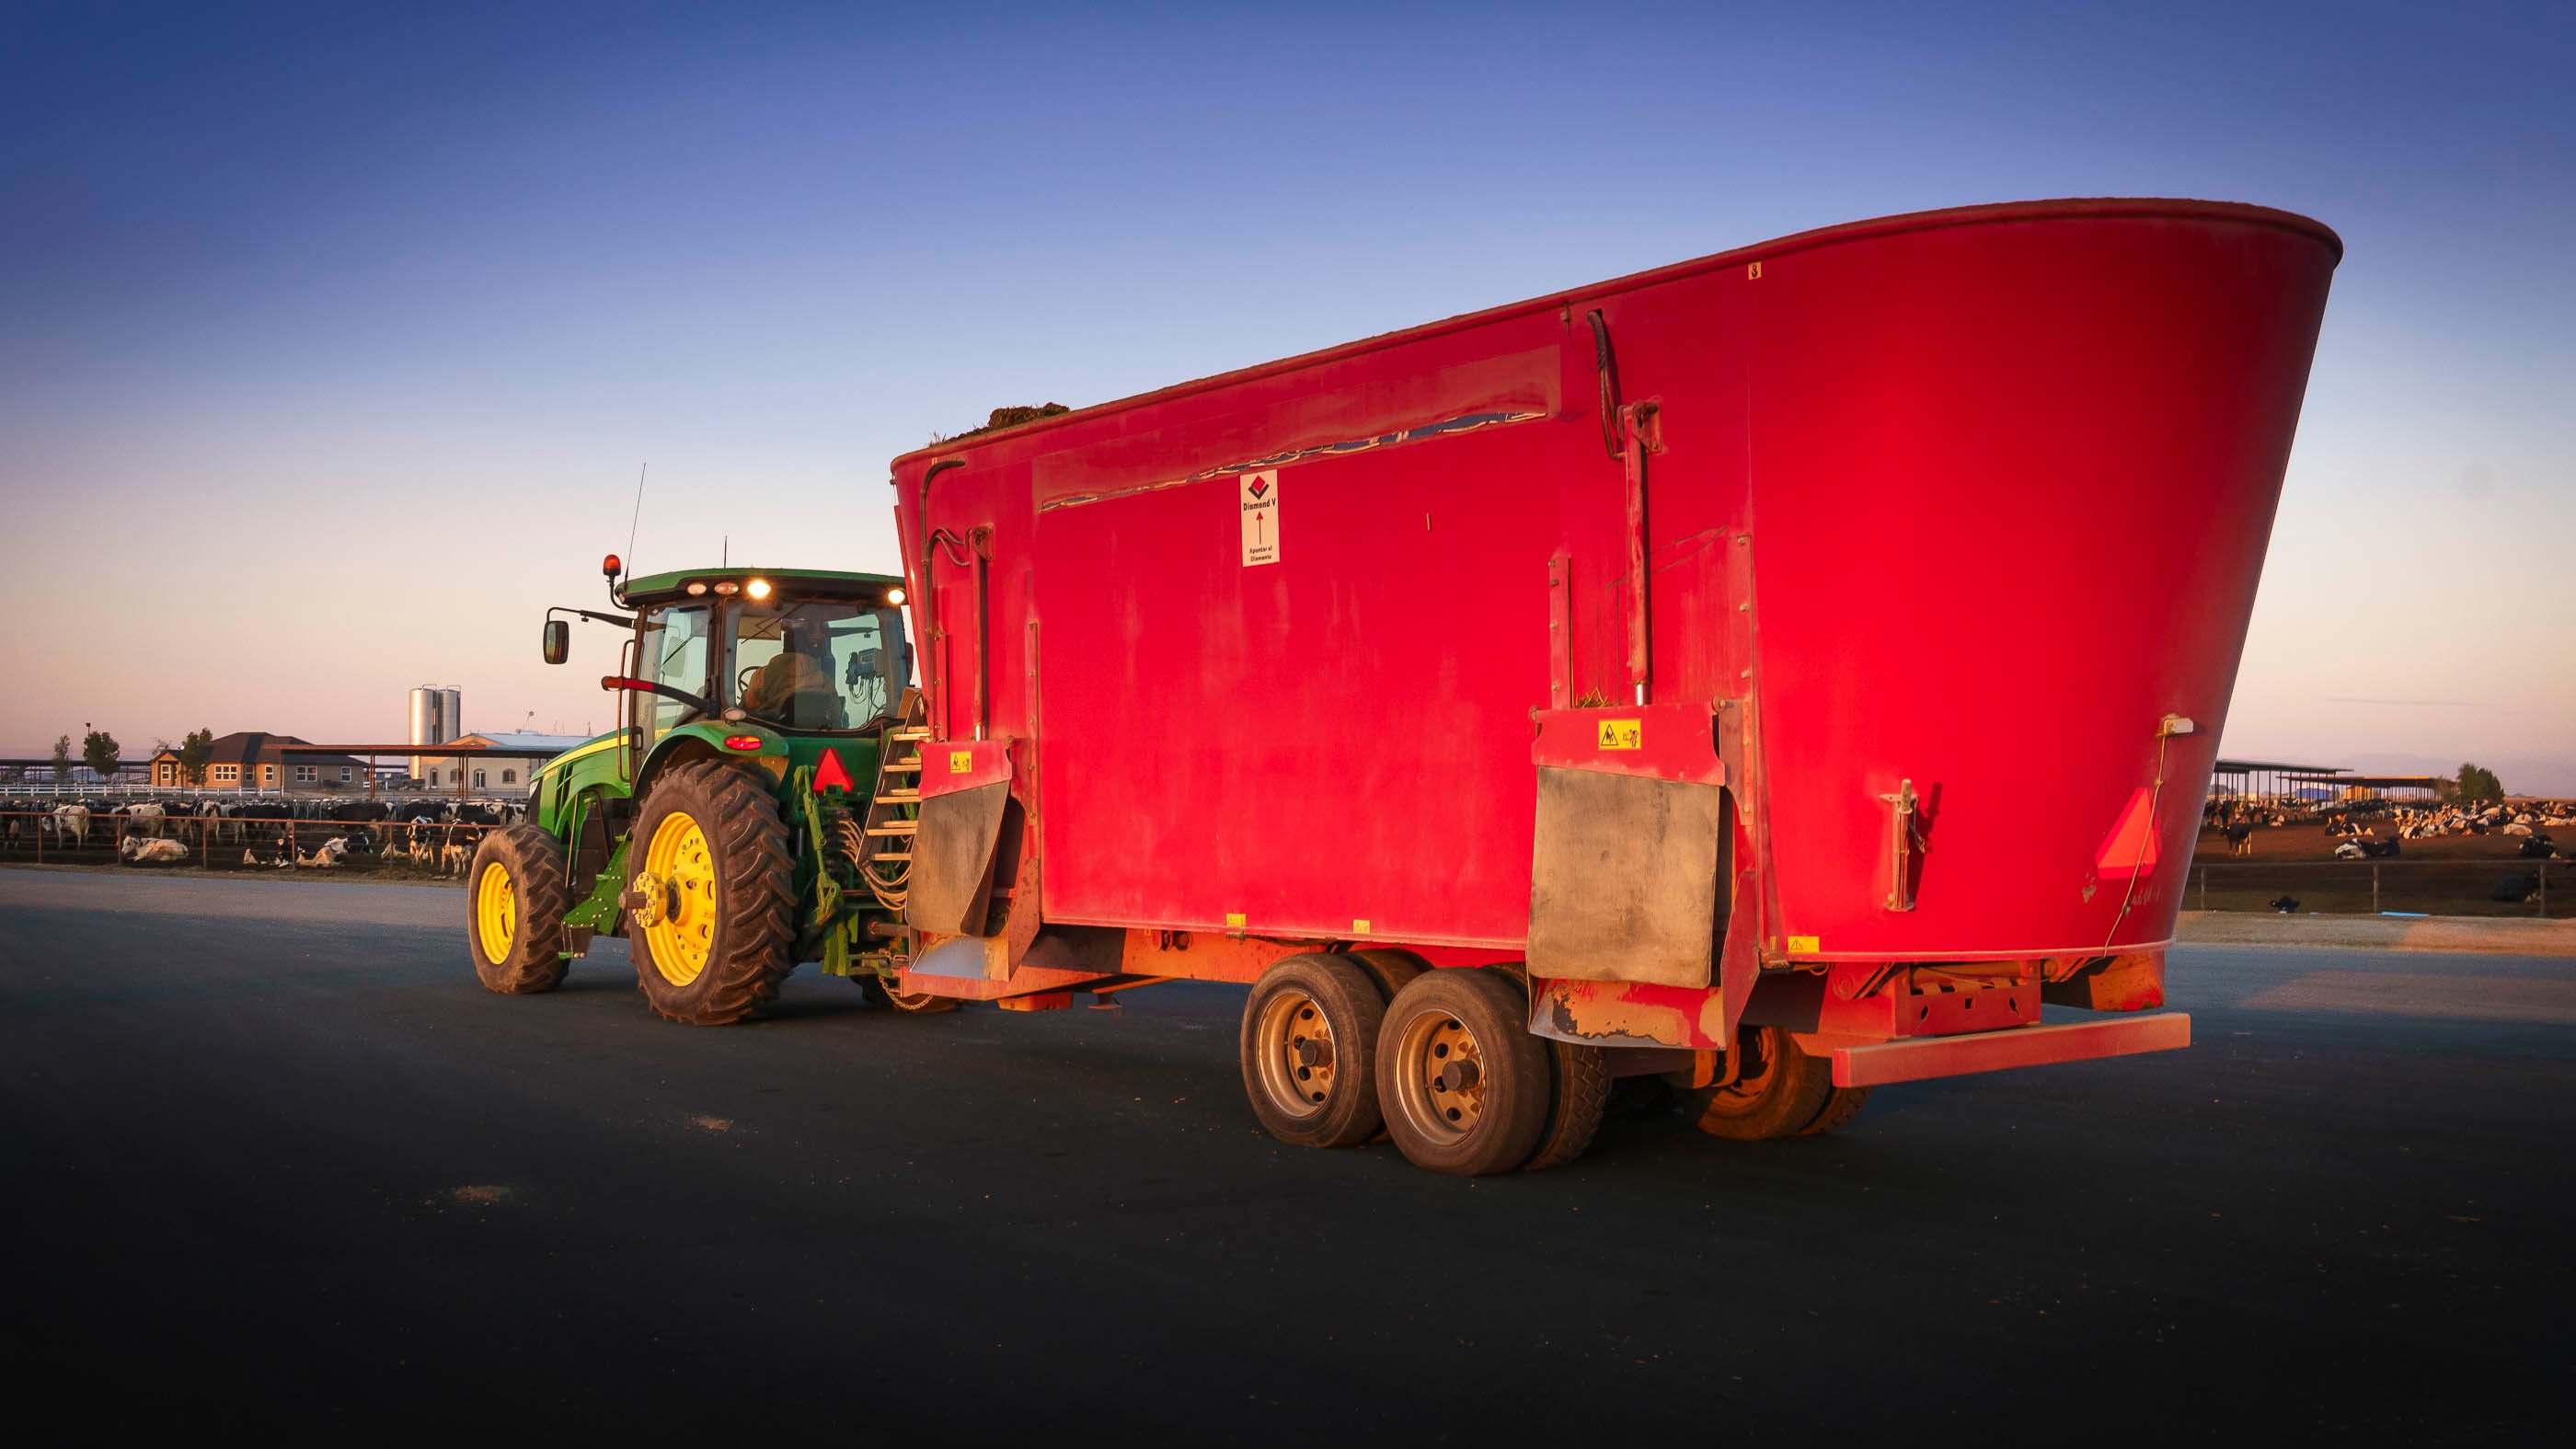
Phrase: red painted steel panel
{"type": "Point", "coordinates": [1971, 499]}
{"type": "Point", "coordinates": [950, 766]}
{"type": "Point", "coordinates": [2016, 486]}
{"type": "Point", "coordinates": [1655, 741]}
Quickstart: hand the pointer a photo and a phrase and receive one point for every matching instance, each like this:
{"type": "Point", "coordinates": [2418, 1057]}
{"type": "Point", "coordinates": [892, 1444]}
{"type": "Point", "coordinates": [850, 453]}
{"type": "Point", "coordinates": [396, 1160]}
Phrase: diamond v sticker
{"type": "Point", "coordinates": [1260, 518]}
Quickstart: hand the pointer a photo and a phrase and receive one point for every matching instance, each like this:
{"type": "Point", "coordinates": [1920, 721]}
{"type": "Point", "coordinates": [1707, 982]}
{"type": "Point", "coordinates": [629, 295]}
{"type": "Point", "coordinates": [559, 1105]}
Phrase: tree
{"type": "Point", "coordinates": [2478, 784]}
{"type": "Point", "coordinates": [62, 759]}
{"type": "Point", "coordinates": [193, 753]}
{"type": "Point", "coordinates": [99, 751]}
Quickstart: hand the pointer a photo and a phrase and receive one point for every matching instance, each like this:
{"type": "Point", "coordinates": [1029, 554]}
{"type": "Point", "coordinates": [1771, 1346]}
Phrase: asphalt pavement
{"type": "Point", "coordinates": [276, 1163]}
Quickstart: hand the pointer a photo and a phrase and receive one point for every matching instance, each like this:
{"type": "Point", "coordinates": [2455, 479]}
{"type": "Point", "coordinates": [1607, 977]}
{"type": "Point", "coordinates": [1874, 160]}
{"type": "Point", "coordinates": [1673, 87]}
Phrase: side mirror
{"type": "Point", "coordinates": [558, 641]}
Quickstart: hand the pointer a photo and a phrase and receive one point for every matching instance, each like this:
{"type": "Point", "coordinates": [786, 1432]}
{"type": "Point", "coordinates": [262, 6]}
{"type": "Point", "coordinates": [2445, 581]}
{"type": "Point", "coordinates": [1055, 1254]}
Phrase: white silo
{"type": "Point", "coordinates": [451, 714]}
{"type": "Point", "coordinates": [424, 716]}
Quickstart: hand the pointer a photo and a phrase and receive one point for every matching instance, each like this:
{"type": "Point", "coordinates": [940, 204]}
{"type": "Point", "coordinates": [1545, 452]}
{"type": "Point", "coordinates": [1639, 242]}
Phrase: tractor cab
{"type": "Point", "coordinates": [799, 651]}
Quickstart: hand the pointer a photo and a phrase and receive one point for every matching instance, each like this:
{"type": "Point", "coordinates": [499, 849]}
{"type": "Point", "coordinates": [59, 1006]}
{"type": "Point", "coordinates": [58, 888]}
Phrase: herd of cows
{"type": "Point", "coordinates": [278, 833]}
{"type": "Point", "coordinates": [2373, 830]}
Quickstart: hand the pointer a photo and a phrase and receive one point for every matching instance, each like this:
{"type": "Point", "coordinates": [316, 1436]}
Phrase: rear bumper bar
{"type": "Point", "coordinates": [1913, 1059]}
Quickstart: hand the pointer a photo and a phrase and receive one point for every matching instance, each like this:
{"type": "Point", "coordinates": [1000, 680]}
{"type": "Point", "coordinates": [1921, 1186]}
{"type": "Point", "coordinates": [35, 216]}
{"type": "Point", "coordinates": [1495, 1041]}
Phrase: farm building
{"type": "Point", "coordinates": [494, 773]}
{"type": "Point", "coordinates": [255, 760]}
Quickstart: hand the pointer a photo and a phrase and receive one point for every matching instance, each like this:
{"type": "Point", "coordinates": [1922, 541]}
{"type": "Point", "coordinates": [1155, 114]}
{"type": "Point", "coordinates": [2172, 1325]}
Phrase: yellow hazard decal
{"type": "Point", "coordinates": [1234, 920]}
{"type": "Point", "coordinates": [1360, 926]}
{"type": "Point", "coordinates": [1805, 945]}
{"type": "Point", "coordinates": [1623, 734]}
{"type": "Point", "coordinates": [960, 761]}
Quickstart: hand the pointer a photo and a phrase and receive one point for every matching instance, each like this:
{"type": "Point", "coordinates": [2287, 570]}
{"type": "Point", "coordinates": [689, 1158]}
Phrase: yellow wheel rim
{"type": "Point", "coordinates": [496, 911]}
{"type": "Point", "coordinates": [678, 859]}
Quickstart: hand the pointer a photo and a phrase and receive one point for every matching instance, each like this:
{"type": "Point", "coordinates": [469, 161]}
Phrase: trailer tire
{"type": "Point", "coordinates": [515, 900]}
{"type": "Point", "coordinates": [1308, 1048]}
{"type": "Point", "coordinates": [910, 1003]}
{"type": "Point", "coordinates": [1579, 1078]}
{"type": "Point", "coordinates": [1841, 1105]}
{"type": "Point", "coordinates": [1463, 1083]}
{"type": "Point", "coordinates": [1390, 969]}
{"type": "Point", "coordinates": [1778, 1091]}
{"type": "Point", "coordinates": [710, 894]}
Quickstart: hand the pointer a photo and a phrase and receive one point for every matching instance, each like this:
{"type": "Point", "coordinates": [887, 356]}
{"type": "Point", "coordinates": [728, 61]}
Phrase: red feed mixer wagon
{"type": "Point", "coordinates": [1783, 671]}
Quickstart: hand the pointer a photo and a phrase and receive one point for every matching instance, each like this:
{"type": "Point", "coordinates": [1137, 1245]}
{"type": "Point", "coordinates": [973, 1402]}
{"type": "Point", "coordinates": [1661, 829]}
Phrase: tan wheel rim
{"type": "Point", "coordinates": [1292, 1042]}
{"type": "Point", "coordinates": [680, 922]}
{"type": "Point", "coordinates": [1440, 1076]}
{"type": "Point", "coordinates": [1761, 1069]}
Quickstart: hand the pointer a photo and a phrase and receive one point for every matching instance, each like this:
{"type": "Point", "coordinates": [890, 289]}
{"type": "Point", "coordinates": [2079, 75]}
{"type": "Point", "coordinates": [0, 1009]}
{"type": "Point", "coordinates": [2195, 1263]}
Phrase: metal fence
{"type": "Point", "coordinates": [2499, 887]}
{"type": "Point", "coordinates": [242, 843]}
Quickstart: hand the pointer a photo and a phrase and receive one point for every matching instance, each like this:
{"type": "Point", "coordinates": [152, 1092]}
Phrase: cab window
{"type": "Point", "coordinates": [817, 665]}
{"type": "Point", "coordinates": [673, 652]}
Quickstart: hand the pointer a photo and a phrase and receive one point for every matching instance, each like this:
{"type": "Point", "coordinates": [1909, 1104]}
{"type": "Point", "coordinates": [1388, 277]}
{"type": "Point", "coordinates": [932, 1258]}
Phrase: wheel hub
{"type": "Point", "coordinates": [1444, 1075]}
{"type": "Point", "coordinates": [650, 900]}
{"type": "Point", "coordinates": [679, 898]}
{"type": "Point", "coordinates": [1294, 1040]}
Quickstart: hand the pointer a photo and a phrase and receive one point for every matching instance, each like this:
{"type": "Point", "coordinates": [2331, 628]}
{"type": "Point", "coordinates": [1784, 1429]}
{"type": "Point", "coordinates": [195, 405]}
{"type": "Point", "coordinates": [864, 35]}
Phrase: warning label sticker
{"type": "Point", "coordinates": [1623, 734]}
{"type": "Point", "coordinates": [1260, 517]}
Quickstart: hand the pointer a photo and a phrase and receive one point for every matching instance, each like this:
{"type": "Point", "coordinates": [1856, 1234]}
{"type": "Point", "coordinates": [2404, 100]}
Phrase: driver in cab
{"type": "Point", "coordinates": [797, 674]}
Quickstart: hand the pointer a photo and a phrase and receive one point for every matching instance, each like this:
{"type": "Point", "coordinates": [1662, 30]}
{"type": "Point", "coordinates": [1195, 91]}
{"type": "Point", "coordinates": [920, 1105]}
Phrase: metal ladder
{"type": "Point", "coordinates": [894, 812]}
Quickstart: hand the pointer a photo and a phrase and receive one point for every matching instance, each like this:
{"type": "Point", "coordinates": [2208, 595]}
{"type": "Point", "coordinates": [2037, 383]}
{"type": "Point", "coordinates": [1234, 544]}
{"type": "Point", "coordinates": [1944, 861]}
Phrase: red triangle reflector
{"type": "Point", "coordinates": [829, 773]}
{"type": "Point", "coordinates": [2130, 848]}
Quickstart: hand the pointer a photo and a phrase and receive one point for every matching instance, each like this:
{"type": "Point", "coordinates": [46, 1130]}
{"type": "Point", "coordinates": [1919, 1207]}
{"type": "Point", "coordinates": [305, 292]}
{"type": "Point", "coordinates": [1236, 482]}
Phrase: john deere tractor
{"type": "Point", "coordinates": [753, 809]}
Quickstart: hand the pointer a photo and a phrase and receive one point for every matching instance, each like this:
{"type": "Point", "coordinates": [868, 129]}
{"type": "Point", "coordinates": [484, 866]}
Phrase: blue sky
{"type": "Point", "coordinates": [330, 339]}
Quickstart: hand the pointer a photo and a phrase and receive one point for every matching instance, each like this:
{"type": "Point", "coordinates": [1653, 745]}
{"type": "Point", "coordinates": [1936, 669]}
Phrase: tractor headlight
{"type": "Point", "coordinates": [757, 588]}
{"type": "Point", "coordinates": [895, 595]}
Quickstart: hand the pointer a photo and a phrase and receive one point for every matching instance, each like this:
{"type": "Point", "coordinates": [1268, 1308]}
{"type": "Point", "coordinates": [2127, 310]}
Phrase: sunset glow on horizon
{"type": "Point", "coordinates": [335, 339]}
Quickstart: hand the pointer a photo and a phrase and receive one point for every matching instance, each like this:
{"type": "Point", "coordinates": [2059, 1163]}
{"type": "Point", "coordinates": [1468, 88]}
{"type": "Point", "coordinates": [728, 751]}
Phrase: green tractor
{"type": "Point", "coordinates": [753, 809]}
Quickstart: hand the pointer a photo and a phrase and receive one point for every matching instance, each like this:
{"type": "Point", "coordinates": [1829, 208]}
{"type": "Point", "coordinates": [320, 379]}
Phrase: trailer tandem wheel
{"type": "Point", "coordinates": [516, 897]}
{"type": "Point", "coordinates": [1841, 1105]}
{"type": "Point", "coordinates": [911, 1003]}
{"type": "Point", "coordinates": [1308, 1048]}
{"type": "Point", "coordinates": [1464, 1084]}
{"type": "Point", "coordinates": [1578, 1098]}
{"type": "Point", "coordinates": [1389, 968]}
{"type": "Point", "coordinates": [709, 894]}
{"type": "Point", "coordinates": [1778, 1091]}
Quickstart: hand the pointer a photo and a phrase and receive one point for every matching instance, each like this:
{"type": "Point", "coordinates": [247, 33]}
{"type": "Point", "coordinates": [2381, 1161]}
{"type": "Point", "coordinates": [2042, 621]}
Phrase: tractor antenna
{"type": "Point", "coordinates": [638, 517]}
{"type": "Point", "coordinates": [724, 553]}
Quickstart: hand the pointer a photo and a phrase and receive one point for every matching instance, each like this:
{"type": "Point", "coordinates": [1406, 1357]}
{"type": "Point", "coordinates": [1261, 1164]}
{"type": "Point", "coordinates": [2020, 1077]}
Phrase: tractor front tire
{"type": "Point", "coordinates": [710, 894]}
{"type": "Point", "coordinates": [515, 899]}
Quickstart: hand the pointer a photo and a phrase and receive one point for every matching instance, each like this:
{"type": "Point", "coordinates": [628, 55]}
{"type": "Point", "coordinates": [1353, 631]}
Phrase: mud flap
{"type": "Point", "coordinates": [1632, 864]}
{"type": "Point", "coordinates": [964, 789]}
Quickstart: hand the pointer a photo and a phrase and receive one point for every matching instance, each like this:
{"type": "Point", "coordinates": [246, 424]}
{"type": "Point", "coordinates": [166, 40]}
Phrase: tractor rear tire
{"type": "Point", "coordinates": [710, 894]}
{"type": "Point", "coordinates": [515, 900]}
{"type": "Point", "coordinates": [1462, 1082]}
{"type": "Point", "coordinates": [1580, 1076]}
{"type": "Point", "coordinates": [1779, 1090]}
{"type": "Point", "coordinates": [1308, 1049]}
